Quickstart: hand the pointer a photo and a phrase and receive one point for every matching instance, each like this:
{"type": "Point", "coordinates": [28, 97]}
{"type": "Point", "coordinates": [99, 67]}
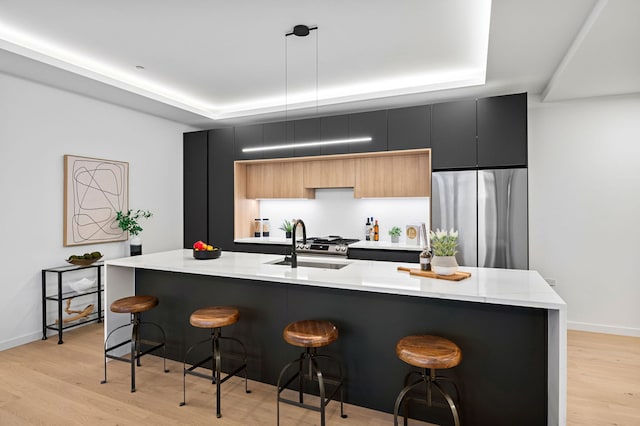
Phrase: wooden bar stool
{"type": "Point", "coordinates": [214, 318]}
{"type": "Point", "coordinates": [428, 353]}
{"type": "Point", "coordinates": [134, 305]}
{"type": "Point", "coordinates": [311, 334]}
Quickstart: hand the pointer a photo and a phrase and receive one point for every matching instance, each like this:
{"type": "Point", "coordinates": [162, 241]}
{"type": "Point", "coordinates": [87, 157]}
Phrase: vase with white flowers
{"type": "Point", "coordinates": [444, 245]}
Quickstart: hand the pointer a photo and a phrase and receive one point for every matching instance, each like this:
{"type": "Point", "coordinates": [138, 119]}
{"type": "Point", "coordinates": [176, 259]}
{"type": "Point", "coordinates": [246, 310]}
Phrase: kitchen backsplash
{"type": "Point", "coordinates": [336, 212]}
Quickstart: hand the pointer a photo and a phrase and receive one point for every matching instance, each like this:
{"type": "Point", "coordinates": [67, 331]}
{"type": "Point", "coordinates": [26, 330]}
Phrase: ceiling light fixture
{"type": "Point", "coordinates": [303, 31]}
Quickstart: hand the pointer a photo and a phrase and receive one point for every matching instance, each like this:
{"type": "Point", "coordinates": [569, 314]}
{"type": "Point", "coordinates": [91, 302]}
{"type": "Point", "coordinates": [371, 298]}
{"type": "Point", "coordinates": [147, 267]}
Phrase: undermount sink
{"type": "Point", "coordinates": [308, 264]}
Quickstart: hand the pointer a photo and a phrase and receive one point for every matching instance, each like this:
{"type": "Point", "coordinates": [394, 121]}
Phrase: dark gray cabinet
{"type": "Point", "coordinates": [305, 131]}
{"type": "Point", "coordinates": [409, 128]}
{"type": "Point", "coordinates": [248, 137]}
{"type": "Point", "coordinates": [279, 133]}
{"type": "Point", "coordinates": [453, 135]}
{"type": "Point", "coordinates": [373, 124]}
{"type": "Point", "coordinates": [502, 131]}
{"type": "Point", "coordinates": [195, 187]}
{"type": "Point", "coordinates": [220, 187]}
{"type": "Point", "coordinates": [333, 128]}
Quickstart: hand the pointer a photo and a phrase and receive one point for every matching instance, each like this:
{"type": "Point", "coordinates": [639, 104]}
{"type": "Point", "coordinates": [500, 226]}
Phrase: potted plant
{"type": "Point", "coordinates": [128, 222]}
{"type": "Point", "coordinates": [395, 234]}
{"type": "Point", "coordinates": [444, 246]}
{"type": "Point", "coordinates": [287, 227]}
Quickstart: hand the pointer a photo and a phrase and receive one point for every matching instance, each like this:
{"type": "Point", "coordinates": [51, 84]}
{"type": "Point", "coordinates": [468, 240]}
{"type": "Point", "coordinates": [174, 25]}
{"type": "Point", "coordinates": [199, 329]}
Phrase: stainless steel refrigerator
{"type": "Point", "coordinates": [489, 210]}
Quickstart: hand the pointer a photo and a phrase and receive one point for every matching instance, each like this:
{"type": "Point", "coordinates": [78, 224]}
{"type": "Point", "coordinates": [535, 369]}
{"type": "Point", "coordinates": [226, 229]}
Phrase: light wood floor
{"type": "Point", "coordinates": [43, 383]}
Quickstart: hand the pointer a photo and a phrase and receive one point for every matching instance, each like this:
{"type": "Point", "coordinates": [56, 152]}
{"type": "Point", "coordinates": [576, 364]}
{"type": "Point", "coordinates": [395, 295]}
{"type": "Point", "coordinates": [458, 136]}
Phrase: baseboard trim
{"type": "Point", "coordinates": [22, 340]}
{"type": "Point", "coordinates": [599, 328]}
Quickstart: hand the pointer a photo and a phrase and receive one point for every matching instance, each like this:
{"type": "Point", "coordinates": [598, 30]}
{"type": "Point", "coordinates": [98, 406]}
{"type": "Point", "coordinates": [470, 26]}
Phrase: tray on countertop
{"type": "Point", "coordinates": [458, 276]}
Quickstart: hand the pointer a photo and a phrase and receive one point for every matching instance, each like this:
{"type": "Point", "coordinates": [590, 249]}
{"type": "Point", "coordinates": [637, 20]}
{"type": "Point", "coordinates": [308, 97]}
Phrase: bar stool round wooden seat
{"type": "Point", "coordinates": [311, 335]}
{"type": "Point", "coordinates": [214, 318]}
{"type": "Point", "coordinates": [134, 305]}
{"type": "Point", "coordinates": [428, 353]}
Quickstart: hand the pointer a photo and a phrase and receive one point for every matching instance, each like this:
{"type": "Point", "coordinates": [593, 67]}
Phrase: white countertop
{"type": "Point", "coordinates": [486, 285]}
{"type": "Point", "coordinates": [372, 245]}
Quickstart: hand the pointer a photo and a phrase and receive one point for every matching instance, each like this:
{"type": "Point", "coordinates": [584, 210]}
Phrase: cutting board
{"type": "Point", "coordinates": [458, 276]}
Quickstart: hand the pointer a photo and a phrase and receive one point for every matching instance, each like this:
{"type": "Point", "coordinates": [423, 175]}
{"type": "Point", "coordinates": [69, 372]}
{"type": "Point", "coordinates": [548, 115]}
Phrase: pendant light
{"type": "Point", "coordinates": [303, 31]}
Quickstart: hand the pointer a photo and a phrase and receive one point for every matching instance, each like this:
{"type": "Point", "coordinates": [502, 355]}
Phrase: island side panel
{"type": "Point", "coordinates": [119, 283]}
{"type": "Point", "coordinates": [503, 375]}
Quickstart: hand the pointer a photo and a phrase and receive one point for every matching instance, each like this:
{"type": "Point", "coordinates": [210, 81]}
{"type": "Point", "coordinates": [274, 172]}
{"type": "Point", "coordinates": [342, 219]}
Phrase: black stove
{"type": "Point", "coordinates": [333, 245]}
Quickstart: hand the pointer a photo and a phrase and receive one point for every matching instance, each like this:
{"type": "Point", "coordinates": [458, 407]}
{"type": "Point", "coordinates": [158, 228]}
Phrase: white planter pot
{"type": "Point", "coordinates": [444, 265]}
{"type": "Point", "coordinates": [135, 245]}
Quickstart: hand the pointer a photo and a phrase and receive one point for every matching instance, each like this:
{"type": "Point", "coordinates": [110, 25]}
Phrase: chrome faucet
{"type": "Point", "coordinates": [294, 255]}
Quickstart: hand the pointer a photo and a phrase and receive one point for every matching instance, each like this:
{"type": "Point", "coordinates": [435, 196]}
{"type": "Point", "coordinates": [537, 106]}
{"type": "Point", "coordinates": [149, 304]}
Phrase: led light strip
{"type": "Point", "coordinates": [306, 144]}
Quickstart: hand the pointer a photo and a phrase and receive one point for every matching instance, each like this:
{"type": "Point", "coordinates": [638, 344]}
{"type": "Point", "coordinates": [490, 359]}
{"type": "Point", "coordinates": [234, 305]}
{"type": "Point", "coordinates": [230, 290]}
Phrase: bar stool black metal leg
{"type": "Point", "coordinates": [400, 398]}
{"type": "Point", "coordinates": [452, 405]}
{"type": "Point", "coordinates": [134, 343]}
{"type": "Point", "coordinates": [216, 356]}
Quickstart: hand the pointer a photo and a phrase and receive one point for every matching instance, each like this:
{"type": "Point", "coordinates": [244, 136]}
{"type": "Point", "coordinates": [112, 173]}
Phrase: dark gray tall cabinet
{"type": "Point", "coordinates": [195, 187]}
{"type": "Point", "coordinates": [220, 187]}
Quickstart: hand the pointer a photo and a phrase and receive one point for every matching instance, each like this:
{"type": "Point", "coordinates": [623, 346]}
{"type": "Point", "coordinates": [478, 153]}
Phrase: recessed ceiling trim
{"type": "Point", "coordinates": [596, 12]}
{"type": "Point", "coordinates": [47, 51]}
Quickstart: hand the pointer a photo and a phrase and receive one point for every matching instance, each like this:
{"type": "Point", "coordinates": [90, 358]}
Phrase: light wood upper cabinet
{"type": "Point", "coordinates": [276, 179]}
{"type": "Point", "coordinates": [393, 176]}
{"type": "Point", "coordinates": [335, 173]}
{"type": "Point", "coordinates": [377, 174]}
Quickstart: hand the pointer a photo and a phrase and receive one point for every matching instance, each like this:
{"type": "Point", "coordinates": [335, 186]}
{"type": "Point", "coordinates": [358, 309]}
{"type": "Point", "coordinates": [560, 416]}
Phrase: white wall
{"type": "Point", "coordinates": [584, 211]}
{"type": "Point", "coordinates": [38, 125]}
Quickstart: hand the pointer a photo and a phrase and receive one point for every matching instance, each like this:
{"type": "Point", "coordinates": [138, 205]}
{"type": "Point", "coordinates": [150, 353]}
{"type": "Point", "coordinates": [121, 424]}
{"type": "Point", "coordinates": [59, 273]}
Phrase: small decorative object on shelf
{"type": "Point", "coordinates": [412, 235]}
{"type": "Point", "coordinates": [395, 234]}
{"type": "Point", "coordinates": [128, 222]}
{"type": "Point", "coordinates": [287, 227]}
{"type": "Point", "coordinates": [84, 259]}
{"type": "Point", "coordinates": [202, 251]}
{"type": "Point", "coordinates": [444, 251]}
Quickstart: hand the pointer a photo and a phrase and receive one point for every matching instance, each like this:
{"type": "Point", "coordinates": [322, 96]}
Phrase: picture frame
{"type": "Point", "coordinates": [94, 190]}
{"type": "Point", "coordinates": [412, 235]}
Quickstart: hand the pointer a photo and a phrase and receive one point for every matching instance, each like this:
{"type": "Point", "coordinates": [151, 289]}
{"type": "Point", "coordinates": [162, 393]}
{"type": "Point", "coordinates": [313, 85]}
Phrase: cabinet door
{"type": "Point", "coordinates": [277, 180]}
{"type": "Point", "coordinates": [337, 173]}
{"type": "Point", "coordinates": [409, 128]}
{"type": "Point", "coordinates": [453, 135]}
{"type": "Point", "coordinates": [221, 199]}
{"type": "Point", "coordinates": [248, 137]}
{"type": "Point", "coordinates": [306, 131]}
{"type": "Point", "coordinates": [334, 128]}
{"type": "Point", "coordinates": [502, 131]}
{"type": "Point", "coordinates": [195, 187]}
{"type": "Point", "coordinates": [373, 124]}
{"type": "Point", "coordinates": [280, 133]}
{"type": "Point", "coordinates": [393, 176]}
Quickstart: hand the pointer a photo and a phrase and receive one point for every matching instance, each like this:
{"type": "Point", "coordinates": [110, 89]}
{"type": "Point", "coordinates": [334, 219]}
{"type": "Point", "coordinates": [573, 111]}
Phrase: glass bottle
{"type": "Point", "coordinates": [265, 227]}
{"type": "Point", "coordinates": [367, 232]}
{"type": "Point", "coordinates": [425, 255]}
{"type": "Point", "coordinates": [257, 228]}
{"type": "Point", "coordinates": [376, 231]}
{"type": "Point", "coordinates": [425, 259]}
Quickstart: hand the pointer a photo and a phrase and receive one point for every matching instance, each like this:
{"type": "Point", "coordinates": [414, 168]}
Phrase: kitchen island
{"type": "Point", "coordinates": [510, 325]}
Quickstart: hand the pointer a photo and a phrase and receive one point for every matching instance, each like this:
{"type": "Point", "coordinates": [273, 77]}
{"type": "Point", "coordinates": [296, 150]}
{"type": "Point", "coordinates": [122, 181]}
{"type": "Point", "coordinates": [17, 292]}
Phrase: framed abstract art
{"type": "Point", "coordinates": [94, 190]}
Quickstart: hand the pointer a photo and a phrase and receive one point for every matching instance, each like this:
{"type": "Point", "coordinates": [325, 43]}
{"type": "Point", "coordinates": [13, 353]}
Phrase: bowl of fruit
{"type": "Point", "coordinates": [202, 250]}
{"type": "Point", "coordinates": [85, 259]}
